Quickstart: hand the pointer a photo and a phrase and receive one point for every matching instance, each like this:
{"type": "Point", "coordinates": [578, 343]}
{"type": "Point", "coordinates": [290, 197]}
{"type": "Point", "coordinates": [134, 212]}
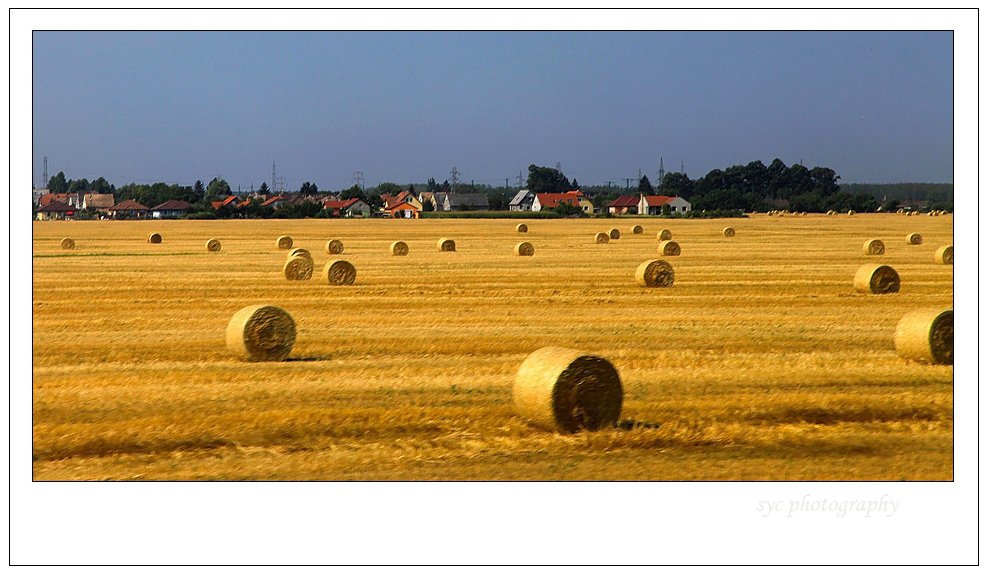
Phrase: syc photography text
{"type": "Point", "coordinates": [838, 507]}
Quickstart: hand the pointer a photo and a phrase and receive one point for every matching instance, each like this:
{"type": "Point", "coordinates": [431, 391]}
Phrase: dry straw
{"type": "Point", "coordinates": [521, 228]}
{"type": "Point", "coordinates": [729, 232]}
{"type": "Point", "coordinates": [284, 242]}
{"type": "Point", "coordinates": [614, 234]}
{"type": "Point", "coordinates": [669, 248]}
{"type": "Point", "coordinates": [68, 243]}
{"type": "Point", "coordinates": [340, 272]}
{"type": "Point", "coordinates": [568, 390]}
{"type": "Point", "coordinates": [873, 247]}
{"type": "Point", "coordinates": [300, 252]}
{"type": "Point", "coordinates": [914, 239]}
{"type": "Point", "coordinates": [877, 279]}
{"type": "Point", "coordinates": [154, 238]}
{"type": "Point", "coordinates": [334, 247]}
{"type": "Point", "coordinates": [213, 245]}
{"type": "Point", "coordinates": [945, 255]}
{"type": "Point", "coordinates": [637, 230]}
{"type": "Point", "coordinates": [926, 336]}
{"type": "Point", "coordinates": [850, 212]}
{"type": "Point", "coordinates": [446, 244]}
{"type": "Point", "coordinates": [601, 238]}
{"type": "Point", "coordinates": [298, 268]}
{"type": "Point", "coordinates": [665, 235]}
{"type": "Point", "coordinates": [655, 273]}
{"type": "Point", "coordinates": [399, 248]}
{"type": "Point", "coordinates": [524, 249]}
{"type": "Point", "coordinates": [261, 333]}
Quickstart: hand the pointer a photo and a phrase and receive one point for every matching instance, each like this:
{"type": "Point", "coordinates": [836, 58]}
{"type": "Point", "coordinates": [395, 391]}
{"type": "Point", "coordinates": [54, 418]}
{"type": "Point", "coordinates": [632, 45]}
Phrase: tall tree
{"type": "Point", "coordinates": [547, 180]}
{"type": "Point", "coordinates": [218, 187]}
{"type": "Point", "coordinates": [77, 185]}
{"type": "Point", "coordinates": [308, 188]}
{"type": "Point", "coordinates": [57, 183]}
{"type": "Point", "coordinates": [645, 186]}
{"type": "Point", "coordinates": [432, 186]}
{"type": "Point", "coordinates": [263, 190]}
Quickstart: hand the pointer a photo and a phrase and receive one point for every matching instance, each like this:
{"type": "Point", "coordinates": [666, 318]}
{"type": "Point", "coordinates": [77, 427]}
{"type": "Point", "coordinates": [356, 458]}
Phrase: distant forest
{"type": "Point", "coordinates": [928, 192]}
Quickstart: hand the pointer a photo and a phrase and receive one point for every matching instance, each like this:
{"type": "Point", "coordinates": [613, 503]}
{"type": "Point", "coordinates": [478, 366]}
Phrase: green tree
{"type": "Point", "coordinates": [198, 190]}
{"type": "Point", "coordinates": [57, 184]}
{"type": "Point", "coordinates": [891, 205]}
{"type": "Point", "coordinates": [645, 186]}
{"type": "Point", "coordinates": [218, 188]}
{"type": "Point", "coordinates": [547, 180]}
{"type": "Point", "coordinates": [567, 210]}
{"type": "Point", "coordinates": [308, 189]}
{"type": "Point", "coordinates": [678, 184]}
{"type": "Point", "coordinates": [353, 192]}
{"type": "Point", "coordinates": [575, 184]}
{"type": "Point", "coordinates": [77, 185]}
{"type": "Point", "coordinates": [99, 185]}
{"type": "Point", "coordinates": [388, 188]}
{"type": "Point", "coordinates": [432, 186]}
{"type": "Point", "coordinates": [263, 190]}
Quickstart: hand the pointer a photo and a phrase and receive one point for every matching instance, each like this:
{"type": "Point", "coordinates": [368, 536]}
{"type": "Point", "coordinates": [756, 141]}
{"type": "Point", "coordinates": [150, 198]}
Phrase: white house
{"type": "Point", "coordinates": [652, 204]}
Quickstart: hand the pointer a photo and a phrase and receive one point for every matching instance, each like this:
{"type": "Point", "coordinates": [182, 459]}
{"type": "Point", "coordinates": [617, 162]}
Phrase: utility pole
{"type": "Point", "coordinates": [662, 172]}
{"type": "Point", "coordinates": [627, 182]}
{"type": "Point", "coordinates": [520, 184]}
{"type": "Point", "coordinates": [454, 179]}
{"type": "Point", "coordinates": [44, 182]}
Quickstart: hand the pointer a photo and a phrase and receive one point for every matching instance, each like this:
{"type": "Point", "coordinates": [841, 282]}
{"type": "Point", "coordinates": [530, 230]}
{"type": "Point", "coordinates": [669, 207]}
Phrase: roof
{"type": "Point", "coordinates": [550, 200]}
{"type": "Point", "coordinates": [272, 200]}
{"type": "Point", "coordinates": [99, 199]}
{"type": "Point", "coordinates": [340, 203]}
{"type": "Point", "coordinates": [523, 196]}
{"type": "Point", "coordinates": [49, 197]}
{"type": "Point", "coordinates": [658, 200]}
{"type": "Point", "coordinates": [56, 206]}
{"type": "Point", "coordinates": [625, 201]}
{"type": "Point", "coordinates": [128, 204]}
{"type": "Point", "coordinates": [471, 199]}
{"type": "Point", "coordinates": [402, 205]}
{"type": "Point", "coordinates": [173, 205]}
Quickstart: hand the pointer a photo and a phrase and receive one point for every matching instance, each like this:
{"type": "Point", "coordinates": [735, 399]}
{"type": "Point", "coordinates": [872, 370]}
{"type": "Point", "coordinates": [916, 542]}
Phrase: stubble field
{"type": "Point", "coordinates": [760, 363]}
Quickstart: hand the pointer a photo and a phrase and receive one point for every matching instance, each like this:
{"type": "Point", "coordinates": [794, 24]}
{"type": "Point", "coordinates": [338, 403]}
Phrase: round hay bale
{"type": "Point", "coordinates": [399, 248]}
{"type": "Point", "coordinates": [874, 247]}
{"type": "Point", "coordinates": [655, 273]}
{"type": "Point", "coordinates": [945, 255]}
{"type": "Point", "coordinates": [68, 243]}
{"type": "Point", "coordinates": [298, 268]}
{"type": "Point", "coordinates": [568, 390]}
{"type": "Point", "coordinates": [284, 242]}
{"type": "Point", "coordinates": [782, 214]}
{"type": "Point", "coordinates": [926, 336]}
{"type": "Point", "coordinates": [334, 247]}
{"type": "Point", "coordinates": [340, 272]}
{"type": "Point", "coordinates": [261, 333]}
{"type": "Point", "coordinates": [729, 232]}
{"type": "Point", "coordinates": [300, 252]}
{"type": "Point", "coordinates": [521, 228]}
{"type": "Point", "coordinates": [914, 239]}
{"type": "Point", "coordinates": [850, 212]}
{"type": "Point", "coordinates": [213, 245]}
{"type": "Point", "coordinates": [877, 279]}
{"type": "Point", "coordinates": [446, 244]}
{"type": "Point", "coordinates": [524, 249]}
{"type": "Point", "coordinates": [665, 235]}
{"type": "Point", "coordinates": [910, 213]}
{"type": "Point", "coordinates": [154, 238]}
{"type": "Point", "coordinates": [614, 234]}
{"type": "Point", "coordinates": [637, 230]}
{"type": "Point", "coordinates": [601, 238]}
{"type": "Point", "coordinates": [669, 248]}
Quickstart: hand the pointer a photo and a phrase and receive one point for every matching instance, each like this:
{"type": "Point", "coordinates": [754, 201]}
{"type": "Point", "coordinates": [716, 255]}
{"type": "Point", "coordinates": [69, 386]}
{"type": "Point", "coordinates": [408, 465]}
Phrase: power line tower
{"type": "Point", "coordinates": [454, 179]}
{"type": "Point", "coordinates": [272, 176]}
{"type": "Point", "coordinates": [662, 172]}
{"type": "Point", "coordinates": [627, 182]}
{"type": "Point", "coordinates": [358, 179]}
{"type": "Point", "coordinates": [520, 180]}
{"type": "Point", "coordinates": [682, 168]}
{"type": "Point", "coordinates": [559, 166]}
{"type": "Point", "coordinates": [44, 177]}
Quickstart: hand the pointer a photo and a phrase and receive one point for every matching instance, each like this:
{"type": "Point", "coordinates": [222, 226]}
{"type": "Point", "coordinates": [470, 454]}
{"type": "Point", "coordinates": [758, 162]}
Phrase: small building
{"type": "Point", "coordinates": [403, 210]}
{"type": "Point", "coordinates": [171, 208]}
{"type": "Point", "coordinates": [128, 209]}
{"type": "Point", "coordinates": [522, 201]}
{"type": "Point", "coordinates": [274, 202]}
{"type": "Point", "coordinates": [231, 200]}
{"type": "Point", "coordinates": [410, 198]}
{"type": "Point", "coordinates": [652, 204]}
{"type": "Point", "coordinates": [50, 197]}
{"type": "Point", "coordinates": [624, 204]}
{"type": "Point", "coordinates": [101, 202]}
{"type": "Point", "coordinates": [467, 202]}
{"type": "Point", "coordinates": [55, 210]}
{"type": "Point", "coordinates": [440, 200]}
{"type": "Point", "coordinates": [352, 207]}
{"type": "Point", "coordinates": [544, 201]}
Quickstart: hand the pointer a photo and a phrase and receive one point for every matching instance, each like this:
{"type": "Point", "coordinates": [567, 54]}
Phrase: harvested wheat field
{"type": "Point", "coordinates": [761, 362]}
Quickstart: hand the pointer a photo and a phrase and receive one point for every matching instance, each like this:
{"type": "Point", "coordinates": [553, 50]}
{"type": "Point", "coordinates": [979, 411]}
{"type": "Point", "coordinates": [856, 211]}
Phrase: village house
{"type": "Point", "coordinates": [55, 210]}
{"type": "Point", "coordinates": [403, 210]}
{"type": "Point", "coordinates": [171, 208]}
{"type": "Point", "coordinates": [128, 209]}
{"type": "Point", "coordinates": [652, 204]}
{"type": "Point", "coordinates": [101, 202]}
{"type": "Point", "coordinates": [467, 202]}
{"type": "Point", "coordinates": [274, 202]}
{"type": "Point", "coordinates": [352, 207]}
{"type": "Point", "coordinates": [626, 204]}
{"type": "Point", "coordinates": [231, 200]}
{"type": "Point", "coordinates": [545, 201]}
{"type": "Point", "coordinates": [522, 201]}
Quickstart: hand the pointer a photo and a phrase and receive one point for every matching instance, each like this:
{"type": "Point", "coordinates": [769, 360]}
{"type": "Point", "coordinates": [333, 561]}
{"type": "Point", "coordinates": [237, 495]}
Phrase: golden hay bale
{"type": "Point", "coordinates": [945, 255]}
{"type": "Point", "coordinates": [399, 248]}
{"type": "Point", "coordinates": [874, 247]}
{"type": "Point", "coordinates": [614, 234]}
{"type": "Point", "coordinates": [284, 242]}
{"type": "Point", "coordinates": [850, 212]}
{"type": "Point", "coordinates": [914, 239]}
{"type": "Point", "coordinates": [298, 268]}
{"type": "Point", "coordinates": [782, 214]}
{"type": "Point", "coordinates": [213, 245]}
{"type": "Point", "coordinates": [601, 238]}
{"type": "Point", "coordinates": [524, 249]}
{"type": "Point", "coordinates": [729, 232]}
{"type": "Point", "coordinates": [926, 336]}
{"type": "Point", "coordinates": [261, 333]}
{"type": "Point", "coordinates": [521, 228]}
{"type": "Point", "coordinates": [446, 244]}
{"type": "Point", "coordinates": [68, 243]}
{"type": "Point", "coordinates": [669, 248]}
{"type": "Point", "coordinates": [910, 213]}
{"type": "Point", "coordinates": [637, 230]}
{"type": "Point", "coordinates": [665, 235]}
{"type": "Point", "coordinates": [340, 272]}
{"type": "Point", "coordinates": [877, 279]}
{"type": "Point", "coordinates": [334, 247]}
{"type": "Point", "coordinates": [655, 273]}
{"type": "Point", "coordinates": [154, 238]}
{"type": "Point", "coordinates": [300, 252]}
{"type": "Point", "coordinates": [568, 390]}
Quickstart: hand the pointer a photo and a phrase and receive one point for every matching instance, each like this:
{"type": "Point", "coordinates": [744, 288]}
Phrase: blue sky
{"type": "Point", "coordinates": [406, 106]}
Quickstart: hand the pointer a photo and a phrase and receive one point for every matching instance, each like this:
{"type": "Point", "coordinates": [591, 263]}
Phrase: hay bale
{"type": "Point", "coordinates": [68, 243]}
{"type": "Point", "coordinates": [334, 247]}
{"type": "Point", "coordinates": [568, 390]}
{"type": "Point", "coordinates": [298, 268]}
{"type": "Point", "coordinates": [524, 249]}
{"type": "Point", "coordinates": [284, 242]}
{"type": "Point", "coordinates": [154, 238]}
{"type": "Point", "coordinates": [655, 273]}
{"type": "Point", "coordinates": [873, 247]}
{"type": "Point", "coordinates": [340, 272]}
{"type": "Point", "coordinates": [637, 230]}
{"type": "Point", "coordinates": [926, 336]}
{"type": "Point", "coordinates": [601, 238]}
{"type": "Point", "coordinates": [399, 248]}
{"type": "Point", "coordinates": [300, 252]}
{"type": "Point", "coordinates": [850, 212]}
{"type": "Point", "coordinates": [729, 232]}
{"type": "Point", "coordinates": [521, 228]}
{"type": "Point", "coordinates": [665, 235]}
{"type": "Point", "coordinates": [213, 245]}
{"type": "Point", "coordinates": [614, 234]}
{"type": "Point", "coordinates": [910, 213]}
{"type": "Point", "coordinates": [669, 248]}
{"type": "Point", "coordinates": [945, 255]}
{"type": "Point", "coordinates": [261, 333]}
{"type": "Point", "coordinates": [914, 239]}
{"type": "Point", "coordinates": [446, 244]}
{"type": "Point", "coordinates": [877, 279]}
